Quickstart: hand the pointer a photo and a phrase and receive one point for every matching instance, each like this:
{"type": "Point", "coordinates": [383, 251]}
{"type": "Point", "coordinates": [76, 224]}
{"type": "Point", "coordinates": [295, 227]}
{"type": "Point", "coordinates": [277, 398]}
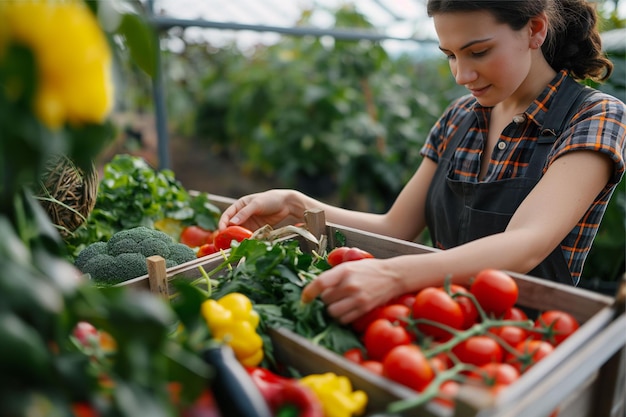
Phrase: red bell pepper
{"type": "Point", "coordinates": [283, 394]}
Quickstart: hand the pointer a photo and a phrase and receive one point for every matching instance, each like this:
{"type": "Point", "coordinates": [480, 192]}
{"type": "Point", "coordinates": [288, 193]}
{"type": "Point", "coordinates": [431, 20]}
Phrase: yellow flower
{"type": "Point", "coordinates": [72, 56]}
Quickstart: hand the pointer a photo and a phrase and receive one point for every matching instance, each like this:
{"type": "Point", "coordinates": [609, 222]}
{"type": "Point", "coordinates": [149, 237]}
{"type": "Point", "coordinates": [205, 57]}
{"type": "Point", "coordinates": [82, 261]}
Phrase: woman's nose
{"type": "Point", "coordinates": [464, 73]}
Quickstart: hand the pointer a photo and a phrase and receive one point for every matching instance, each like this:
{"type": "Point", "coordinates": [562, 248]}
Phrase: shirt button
{"type": "Point", "coordinates": [501, 145]}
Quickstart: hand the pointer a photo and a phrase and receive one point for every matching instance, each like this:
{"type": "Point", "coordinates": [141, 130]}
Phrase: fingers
{"type": "Point", "coordinates": [237, 213]}
{"type": "Point", "coordinates": [340, 293]}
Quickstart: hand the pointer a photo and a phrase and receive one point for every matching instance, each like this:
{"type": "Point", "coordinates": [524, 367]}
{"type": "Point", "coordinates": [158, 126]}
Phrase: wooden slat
{"type": "Point", "coordinates": [157, 276]}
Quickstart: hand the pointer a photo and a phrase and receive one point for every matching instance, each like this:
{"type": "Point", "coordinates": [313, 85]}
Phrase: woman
{"type": "Point", "coordinates": [516, 175]}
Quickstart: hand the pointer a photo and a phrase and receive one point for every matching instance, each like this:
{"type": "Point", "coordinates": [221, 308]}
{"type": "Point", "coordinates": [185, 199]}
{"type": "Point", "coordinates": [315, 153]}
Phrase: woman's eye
{"type": "Point", "coordinates": [480, 53]}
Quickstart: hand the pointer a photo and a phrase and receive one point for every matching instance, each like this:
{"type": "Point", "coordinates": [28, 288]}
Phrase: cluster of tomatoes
{"type": "Point", "coordinates": [212, 241]}
{"type": "Point", "coordinates": [440, 337]}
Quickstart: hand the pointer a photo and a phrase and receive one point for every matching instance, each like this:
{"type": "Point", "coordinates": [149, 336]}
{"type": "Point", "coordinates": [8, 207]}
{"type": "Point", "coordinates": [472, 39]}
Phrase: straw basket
{"type": "Point", "coordinates": [68, 193]}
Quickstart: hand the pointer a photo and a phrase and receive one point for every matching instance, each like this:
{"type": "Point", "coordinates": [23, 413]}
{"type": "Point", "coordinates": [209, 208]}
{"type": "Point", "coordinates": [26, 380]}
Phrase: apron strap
{"type": "Point", "coordinates": [563, 107]}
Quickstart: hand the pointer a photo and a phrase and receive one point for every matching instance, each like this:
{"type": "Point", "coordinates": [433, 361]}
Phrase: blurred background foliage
{"type": "Point", "coordinates": [341, 120]}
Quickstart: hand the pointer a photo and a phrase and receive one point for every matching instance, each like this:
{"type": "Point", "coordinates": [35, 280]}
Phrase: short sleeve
{"type": "Point", "coordinates": [600, 126]}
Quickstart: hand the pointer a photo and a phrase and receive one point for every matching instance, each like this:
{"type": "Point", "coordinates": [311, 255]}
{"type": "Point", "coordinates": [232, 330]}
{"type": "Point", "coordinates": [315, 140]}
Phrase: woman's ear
{"type": "Point", "coordinates": [538, 30]}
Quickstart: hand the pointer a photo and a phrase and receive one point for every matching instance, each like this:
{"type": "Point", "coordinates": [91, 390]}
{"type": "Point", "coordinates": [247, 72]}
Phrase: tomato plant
{"type": "Point", "coordinates": [495, 291]}
{"type": "Point", "coordinates": [435, 304]}
{"type": "Point", "coordinates": [195, 236]}
{"type": "Point", "coordinates": [224, 238]}
{"type": "Point", "coordinates": [555, 326]}
{"type": "Point", "coordinates": [345, 254]}
{"type": "Point", "coordinates": [407, 365]}
{"type": "Point", "coordinates": [478, 350]}
{"type": "Point", "coordinates": [381, 336]}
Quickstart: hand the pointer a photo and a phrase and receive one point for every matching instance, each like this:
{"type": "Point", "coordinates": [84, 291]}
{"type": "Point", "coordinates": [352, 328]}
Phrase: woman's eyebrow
{"type": "Point", "coordinates": [467, 45]}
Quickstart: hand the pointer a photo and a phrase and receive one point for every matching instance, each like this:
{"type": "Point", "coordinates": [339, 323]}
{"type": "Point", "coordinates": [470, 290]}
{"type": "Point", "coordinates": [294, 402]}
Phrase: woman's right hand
{"type": "Point", "coordinates": [269, 207]}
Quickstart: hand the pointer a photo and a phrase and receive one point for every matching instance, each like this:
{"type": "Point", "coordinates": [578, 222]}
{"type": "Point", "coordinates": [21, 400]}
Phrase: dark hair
{"type": "Point", "coordinates": [573, 41]}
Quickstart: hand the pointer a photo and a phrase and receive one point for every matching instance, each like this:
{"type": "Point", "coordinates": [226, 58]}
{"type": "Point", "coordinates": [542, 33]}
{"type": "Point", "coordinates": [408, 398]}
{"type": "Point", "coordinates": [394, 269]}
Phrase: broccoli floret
{"type": "Point", "coordinates": [120, 246]}
{"type": "Point", "coordinates": [181, 253]}
{"type": "Point", "coordinates": [155, 246]}
{"type": "Point", "coordinates": [123, 257]}
{"type": "Point", "coordinates": [104, 268]}
{"type": "Point", "coordinates": [97, 248]}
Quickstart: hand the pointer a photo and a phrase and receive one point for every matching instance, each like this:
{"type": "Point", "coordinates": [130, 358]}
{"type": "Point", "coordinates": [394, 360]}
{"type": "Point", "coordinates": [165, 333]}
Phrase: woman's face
{"type": "Point", "coordinates": [489, 58]}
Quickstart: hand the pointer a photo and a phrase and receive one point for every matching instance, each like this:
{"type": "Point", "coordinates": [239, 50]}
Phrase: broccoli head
{"type": "Point", "coordinates": [123, 257]}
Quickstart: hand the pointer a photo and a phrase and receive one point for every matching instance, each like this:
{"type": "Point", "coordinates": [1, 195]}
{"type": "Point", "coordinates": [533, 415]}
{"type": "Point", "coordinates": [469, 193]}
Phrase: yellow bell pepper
{"type": "Point", "coordinates": [336, 394]}
{"type": "Point", "coordinates": [232, 320]}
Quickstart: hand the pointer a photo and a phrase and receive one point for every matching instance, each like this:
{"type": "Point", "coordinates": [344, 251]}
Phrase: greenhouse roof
{"type": "Point", "coordinates": [249, 22]}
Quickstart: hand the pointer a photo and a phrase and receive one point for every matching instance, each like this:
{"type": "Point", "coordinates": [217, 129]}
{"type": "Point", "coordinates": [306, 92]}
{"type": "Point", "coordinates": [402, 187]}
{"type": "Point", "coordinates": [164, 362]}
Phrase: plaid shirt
{"type": "Point", "coordinates": [600, 125]}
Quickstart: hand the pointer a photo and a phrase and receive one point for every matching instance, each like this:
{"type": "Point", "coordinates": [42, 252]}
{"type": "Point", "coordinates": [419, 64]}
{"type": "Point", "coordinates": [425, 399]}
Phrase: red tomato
{"type": "Point", "coordinates": [447, 391]}
{"type": "Point", "coordinates": [345, 254]}
{"type": "Point", "coordinates": [528, 353]}
{"type": "Point", "coordinates": [224, 237]}
{"type": "Point", "coordinates": [478, 350]}
{"type": "Point", "coordinates": [354, 355]}
{"type": "Point", "coordinates": [511, 335]}
{"type": "Point", "coordinates": [195, 236]}
{"type": "Point", "coordinates": [206, 249]}
{"type": "Point", "coordinates": [494, 373]}
{"type": "Point", "coordinates": [356, 254]}
{"type": "Point", "coordinates": [373, 366]}
{"type": "Point", "coordinates": [555, 326]}
{"type": "Point", "coordinates": [440, 362]}
{"type": "Point", "coordinates": [381, 336]}
{"type": "Point", "coordinates": [495, 291]}
{"type": "Point", "coordinates": [406, 299]}
{"type": "Point", "coordinates": [407, 365]}
{"type": "Point", "coordinates": [396, 313]}
{"type": "Point", "coordinates": [435, 304]}
{"type": "Point", "coordinates": [470, 312]}
{"type": "Point", "coordinates": [360, 324]}
{"type": "Point", "coordinates": [516, 314]}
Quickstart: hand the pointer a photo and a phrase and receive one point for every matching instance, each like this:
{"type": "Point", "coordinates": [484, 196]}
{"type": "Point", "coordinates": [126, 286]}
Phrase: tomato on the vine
{"type": "Point", "coordinates": [224, 237]}
{"type": "Point", "coordinates": [396, 313]}
{"type": "Point", "coordinates": [448, 390]}
{"type": "Point", "coordinates": [495, 373]}
{"type": "Point", "coordinates": [470, 312]}
{"type": "Point", "coordinates": [528, 353]}
{"type": "Point", "coordinates": [511, 335]}
{"type": "Point", "coordinates": [407, 299]}
{"type": "Point", "coordinates": [407, 365]}
{"type": "Point", "coordinates": [436, 305]}
{"type": "Point", "coordinates": [515, 314]}
{"type": "Point", "coordinates": [495, 291]}
{"type": "Point", "coordinates": [478, 350]}
{"type": "Point", "coordinates": [555, 326]}
{"type": "Point", "coordinates": [195, 236]}
{"type": "Point", "coordinates": [381, 336]}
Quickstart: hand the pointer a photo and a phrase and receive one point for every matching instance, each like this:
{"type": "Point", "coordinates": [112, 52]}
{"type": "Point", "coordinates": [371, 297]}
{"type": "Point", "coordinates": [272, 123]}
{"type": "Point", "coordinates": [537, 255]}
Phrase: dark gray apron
{"type": "Point", "coordinates": [458, 212]}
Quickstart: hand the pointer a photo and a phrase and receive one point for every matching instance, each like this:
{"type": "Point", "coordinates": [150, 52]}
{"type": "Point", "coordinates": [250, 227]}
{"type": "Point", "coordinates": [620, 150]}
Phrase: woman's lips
{"type": "Point", "coordinates": [477, 92]}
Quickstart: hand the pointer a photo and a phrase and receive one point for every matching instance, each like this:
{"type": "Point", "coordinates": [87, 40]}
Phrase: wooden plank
{"type": "Point", "coordinates": [157, 276]}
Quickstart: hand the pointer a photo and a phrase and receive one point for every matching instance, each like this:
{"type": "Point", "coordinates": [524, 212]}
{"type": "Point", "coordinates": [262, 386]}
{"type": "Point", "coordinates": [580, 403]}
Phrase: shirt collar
{"type": "Point", "coordinates": [538, 109]}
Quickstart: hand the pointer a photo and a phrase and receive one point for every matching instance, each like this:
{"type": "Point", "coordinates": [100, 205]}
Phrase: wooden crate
{"type": "Point", "coordinates": [579, 377]}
